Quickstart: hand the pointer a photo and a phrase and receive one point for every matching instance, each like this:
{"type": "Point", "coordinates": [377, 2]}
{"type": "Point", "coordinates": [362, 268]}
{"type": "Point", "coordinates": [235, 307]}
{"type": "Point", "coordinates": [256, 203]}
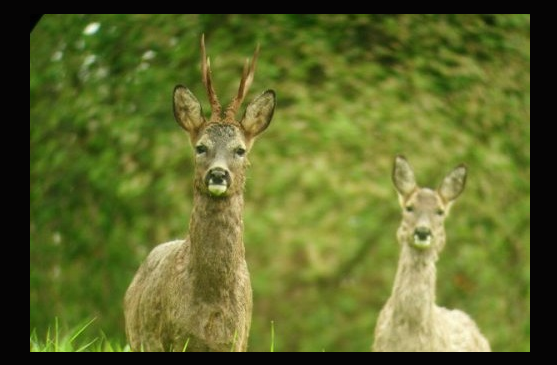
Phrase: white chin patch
{"type": "Point", "coordinates": [217, 190]}
{"type": "Point", "coordinates": [422, 244]}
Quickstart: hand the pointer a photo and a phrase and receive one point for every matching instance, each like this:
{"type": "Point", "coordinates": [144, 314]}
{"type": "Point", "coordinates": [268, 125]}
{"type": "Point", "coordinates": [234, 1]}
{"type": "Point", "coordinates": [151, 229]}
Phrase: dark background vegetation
{"type": "Point", "coordinates": [111, 172]}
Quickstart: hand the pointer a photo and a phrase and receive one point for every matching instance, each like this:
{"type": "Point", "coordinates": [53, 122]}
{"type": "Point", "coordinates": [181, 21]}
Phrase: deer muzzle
{"type": "Point", "coordinates": [217, 181]}
{"type": "Point", "coordinates": [422, 238]}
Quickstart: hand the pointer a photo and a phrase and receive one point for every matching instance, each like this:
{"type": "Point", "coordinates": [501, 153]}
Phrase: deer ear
{"type": "Point", "coordinates": [259, 114]}
{"type": "Point", "coordinates": [403, 176]}
{"type": "Point", "coordinates": [187, 110]}
{"type": "Point", "coordinates": [453, 184]}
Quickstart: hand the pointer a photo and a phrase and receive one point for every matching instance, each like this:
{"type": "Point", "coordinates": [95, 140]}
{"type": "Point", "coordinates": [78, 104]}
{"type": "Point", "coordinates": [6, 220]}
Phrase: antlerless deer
{"type": "Point", "coordinates": [410, 320]}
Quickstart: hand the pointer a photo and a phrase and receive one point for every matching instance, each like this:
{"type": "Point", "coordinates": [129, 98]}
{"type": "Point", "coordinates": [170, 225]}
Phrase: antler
{"type": "Point", "coordinates": [206, 75]}
{"type": "Point", "coordinates": [245, 83]}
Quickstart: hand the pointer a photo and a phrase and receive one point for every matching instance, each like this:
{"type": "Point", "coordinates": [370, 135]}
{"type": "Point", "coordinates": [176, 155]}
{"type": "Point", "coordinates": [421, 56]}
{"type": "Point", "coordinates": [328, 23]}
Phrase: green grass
{"type": "Point", "coordinates": [73, 340]}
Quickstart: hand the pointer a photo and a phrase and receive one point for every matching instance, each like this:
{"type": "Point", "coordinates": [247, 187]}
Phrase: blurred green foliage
{"type": "Point", "coordinates": [111, 172]}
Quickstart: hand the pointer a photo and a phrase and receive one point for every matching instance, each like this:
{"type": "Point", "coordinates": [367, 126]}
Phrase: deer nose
{"type": "Point", "coordinates": [422, 233]}
{"type": "Point", "coordinates": [218, 176]}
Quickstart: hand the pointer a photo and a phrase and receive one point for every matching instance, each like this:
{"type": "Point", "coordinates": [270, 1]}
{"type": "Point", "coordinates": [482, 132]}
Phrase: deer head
{"type": "Point", "coordinates": [221, 143]}
{"type": "Point", "coordinates": [424, 210]}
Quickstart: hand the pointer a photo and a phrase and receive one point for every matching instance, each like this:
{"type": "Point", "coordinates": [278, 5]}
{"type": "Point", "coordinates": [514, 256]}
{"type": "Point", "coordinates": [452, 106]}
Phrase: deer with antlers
{"type": "Point", "coordinates": [195, 294]}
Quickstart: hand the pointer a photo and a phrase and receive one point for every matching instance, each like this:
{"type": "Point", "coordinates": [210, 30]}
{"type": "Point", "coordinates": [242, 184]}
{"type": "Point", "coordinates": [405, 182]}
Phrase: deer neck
{"type": "Point", "coordinates": [217, 248]}
{"type": "Point", "coordinates": [413, 294]}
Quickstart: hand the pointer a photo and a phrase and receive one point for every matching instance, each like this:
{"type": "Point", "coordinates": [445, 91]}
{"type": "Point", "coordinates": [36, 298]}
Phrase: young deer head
{"type": "Point", "coordinates": [424, 210]}
{"type": "Point", "coordinates": [221, 143]}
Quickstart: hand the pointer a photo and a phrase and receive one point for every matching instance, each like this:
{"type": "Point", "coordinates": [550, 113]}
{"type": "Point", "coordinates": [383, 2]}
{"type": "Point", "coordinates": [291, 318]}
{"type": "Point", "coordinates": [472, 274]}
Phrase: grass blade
{"type": "Point", "coordinates": [186, 345]}
{"type": "Point", "coordinates": [83, 328]}
{"type": "Point", "coordinates": [272, 336]}
{"type": "Point", "coordinates": [82, 348]}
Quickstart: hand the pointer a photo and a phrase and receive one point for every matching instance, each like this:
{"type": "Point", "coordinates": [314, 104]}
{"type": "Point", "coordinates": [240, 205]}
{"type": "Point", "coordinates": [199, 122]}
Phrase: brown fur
{"type": "Point", "coordinates": [410, 320]}
{"type": "Point", "coordinates": [195, 294]}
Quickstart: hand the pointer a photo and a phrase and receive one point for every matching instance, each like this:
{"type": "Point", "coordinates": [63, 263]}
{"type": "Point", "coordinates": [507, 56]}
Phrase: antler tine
{"type": "Point", "coordinates": [245, 83]}
{"type": "Point", "coordinates": [207, 81]}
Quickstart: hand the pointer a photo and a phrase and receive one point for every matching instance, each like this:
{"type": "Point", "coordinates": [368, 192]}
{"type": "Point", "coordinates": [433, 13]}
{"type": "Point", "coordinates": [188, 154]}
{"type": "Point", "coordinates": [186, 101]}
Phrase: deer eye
{"type": "Point", "coordinates": [201, 149]}
{"type": "Point", "coordinates": [240, 152]}
{"type": "Point", "coordinates": [410, 208]}
{"type": "Point", "coordinates": [439, 212]}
